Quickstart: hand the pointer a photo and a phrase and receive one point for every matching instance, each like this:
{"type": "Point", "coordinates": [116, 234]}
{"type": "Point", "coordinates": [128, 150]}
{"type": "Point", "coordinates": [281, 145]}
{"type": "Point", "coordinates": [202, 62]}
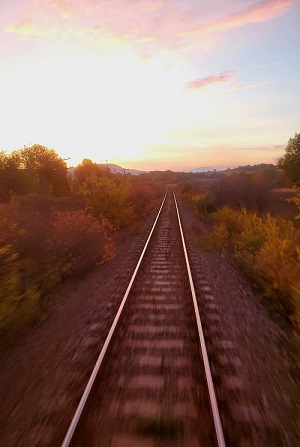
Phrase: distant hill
{"type": "Point", "coordinates": [251, 168]}
{"type": "Point", "coordinates": [115, 169]}
{"type": "Point", "coordinates": [203, 169]}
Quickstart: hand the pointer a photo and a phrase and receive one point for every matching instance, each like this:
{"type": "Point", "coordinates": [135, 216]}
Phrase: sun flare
{"type": "Point", "coordinates": [108, 108]}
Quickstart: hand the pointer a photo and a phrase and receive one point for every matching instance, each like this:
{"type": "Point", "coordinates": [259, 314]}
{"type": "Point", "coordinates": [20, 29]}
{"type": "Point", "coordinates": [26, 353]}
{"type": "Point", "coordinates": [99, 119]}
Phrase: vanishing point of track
{"type": "Point", "coordinates": [151, 385]}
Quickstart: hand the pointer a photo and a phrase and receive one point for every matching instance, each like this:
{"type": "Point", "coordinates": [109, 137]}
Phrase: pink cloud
{"type": "Point", "coordinates": [224, 76]}
{"type": "Point", "coordinates": [262, 11]}
{"type": "Point", "coordinates": [150, 26]}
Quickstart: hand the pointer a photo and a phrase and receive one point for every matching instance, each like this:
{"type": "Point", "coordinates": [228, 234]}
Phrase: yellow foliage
{"type": "Point", "coordinates": [17, 304]}
{"type": "Point", "coordinates": [109, 197]}
{"type": "Point", "coordinates": [269, 249]}
{"type": "Point", "coordinates": [45, 240]}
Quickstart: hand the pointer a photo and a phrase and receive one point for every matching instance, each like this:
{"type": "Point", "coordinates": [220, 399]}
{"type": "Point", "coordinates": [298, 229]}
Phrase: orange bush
{"type": "Point", "coordinates": [40, 247]}
{"type": "Point", "coordinates": [76, 241]}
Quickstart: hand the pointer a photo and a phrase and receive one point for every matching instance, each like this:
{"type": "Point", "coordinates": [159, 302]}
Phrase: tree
{"type": "Point", "coordinates": [13, 179]}
{"type": "Point", "coordinates": [32, 169]}
{"type": "Point", "coordinates": [86, 169]}
{"type": "Point", "coordinates": [45, 165]}
{"type": "Point", "coordinates": [109, 197]}
{"type": "Point", "coordinates": [290, 162]}
{"type": "Point", "coordinates": [3, 164]}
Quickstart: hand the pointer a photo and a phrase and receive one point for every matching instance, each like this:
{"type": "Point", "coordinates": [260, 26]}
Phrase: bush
{"type": "Point", "coordinates": [18, 302]}
{"type": "Point", "coordinates": [44, 240]}
{"type": "Point", "coordinates": [268, 248]}
{"type": "Point", "coordinates": [120, 200]}
{"type": "Point", "coordinates": [204, 203]}
{"type": "Point", "coordinates": [243, 190]}
{"type": "Point", "coordinates": [39, 248]}
{"type": "Point", "coordinates": [108, 197]}
{"type": "Point", "coordinates": [76, 241]}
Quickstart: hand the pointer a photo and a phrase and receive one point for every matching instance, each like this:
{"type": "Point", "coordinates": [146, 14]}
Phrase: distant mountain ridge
{"type": "Point", "coordinates": [202, 169]}
{"type": "Point", "coordinates": [116, 169]}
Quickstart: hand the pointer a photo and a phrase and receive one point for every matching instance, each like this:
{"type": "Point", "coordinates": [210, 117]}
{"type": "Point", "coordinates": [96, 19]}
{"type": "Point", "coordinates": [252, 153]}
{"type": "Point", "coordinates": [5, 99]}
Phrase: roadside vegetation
{"type": "Point", "coordinates": [55, 226]}
{"type": "Point", "coordinates": [57, 223]}
{"type": "Point", "coordinates": [290, 162]}
{"type": "Point", "coordinates": [251, 215]}
{"type": "Point", "coordinates": [254, 219]}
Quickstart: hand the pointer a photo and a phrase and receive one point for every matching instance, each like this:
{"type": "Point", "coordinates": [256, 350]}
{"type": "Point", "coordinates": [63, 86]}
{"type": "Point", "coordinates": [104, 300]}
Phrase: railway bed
{"type": "Point", "coordinates": [152, 386]}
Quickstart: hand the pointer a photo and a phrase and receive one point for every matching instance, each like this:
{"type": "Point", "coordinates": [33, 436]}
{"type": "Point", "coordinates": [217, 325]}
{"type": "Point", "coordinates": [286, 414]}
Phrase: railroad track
{"type": "Point", "coordinates": [151, 385]}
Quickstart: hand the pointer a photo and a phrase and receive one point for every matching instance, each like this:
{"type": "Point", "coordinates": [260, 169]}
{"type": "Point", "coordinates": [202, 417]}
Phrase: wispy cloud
{"type": "Point", "coordinates": [222, 77]}
{"type": "Point", "coordinates": [246, 86]}
{"type": "Point", "coordinates": [28, 29]}
{"type": "Point", "coordinates": [154, 25]}
{"type": "Point", "coordinates": [262, 11]}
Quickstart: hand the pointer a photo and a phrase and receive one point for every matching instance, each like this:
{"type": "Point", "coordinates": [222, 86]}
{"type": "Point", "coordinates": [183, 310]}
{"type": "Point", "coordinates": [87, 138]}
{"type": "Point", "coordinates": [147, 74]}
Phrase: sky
{"type": "Point", "coordinates": [151, 84]}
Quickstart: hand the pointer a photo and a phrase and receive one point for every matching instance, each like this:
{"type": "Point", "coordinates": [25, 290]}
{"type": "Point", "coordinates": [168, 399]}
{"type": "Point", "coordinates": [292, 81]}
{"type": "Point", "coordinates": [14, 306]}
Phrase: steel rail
{"type": "Point", "coordinates": [210, 385]}
{"type": "Point", "coordinates": [85, 395]}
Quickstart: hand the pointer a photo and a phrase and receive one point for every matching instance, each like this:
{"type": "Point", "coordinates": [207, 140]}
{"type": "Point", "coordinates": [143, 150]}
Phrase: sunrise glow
{"type": "Point", "coordinates": [151, 85]}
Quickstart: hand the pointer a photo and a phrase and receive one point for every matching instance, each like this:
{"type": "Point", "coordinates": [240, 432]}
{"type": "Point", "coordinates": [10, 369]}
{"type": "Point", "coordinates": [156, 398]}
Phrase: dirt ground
{"type": "Point", "coordinates": [43, 375]}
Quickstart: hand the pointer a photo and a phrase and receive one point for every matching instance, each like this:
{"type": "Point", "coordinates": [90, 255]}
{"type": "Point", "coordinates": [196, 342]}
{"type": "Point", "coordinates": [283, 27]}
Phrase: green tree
{"type": "Point", "coordinates": [290, 162]}
{"type": "Point", "coordinates": [45, 166]}
{"type": "Point", "coordinates": [32, 169]}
